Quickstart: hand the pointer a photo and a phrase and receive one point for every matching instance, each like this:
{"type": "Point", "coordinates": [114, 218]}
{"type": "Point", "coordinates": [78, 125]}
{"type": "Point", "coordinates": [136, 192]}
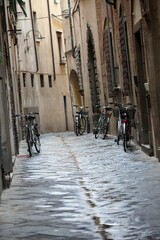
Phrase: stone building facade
{"type": "Point", "coordinates": [33, 74]}
{"type": "Point", "coordinates": [118, 60]}
{"type": "Point", "coordinates": [42, 66]}
{"type": "Point", "coordinates": [131, 37]}
{"type": "Point", "coordinates": [83, 54]}
{"type": "Point", "coordinates": [9, 95]}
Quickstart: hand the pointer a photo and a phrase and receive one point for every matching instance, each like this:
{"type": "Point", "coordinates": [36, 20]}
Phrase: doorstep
{"type": "Point", "coordinates": [147, 149]}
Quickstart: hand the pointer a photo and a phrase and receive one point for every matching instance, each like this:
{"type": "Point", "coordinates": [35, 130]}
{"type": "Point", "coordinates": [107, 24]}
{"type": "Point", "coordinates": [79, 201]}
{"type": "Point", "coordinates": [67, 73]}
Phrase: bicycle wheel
{"type": "Point", "coordinates": [76, 120]}
{"type": "Point", "coordinates": [129, 136]}
{"type": "Point", "coordinates": [126, 137]}
{"type": "Point", "coordinates": [82, 125]}
{"type": "Point", "coordinates": [119, 131]}
{"type": "Point", "coordinates": [37, 143]}
{"type": "Point", "coordinates": [98, 129]}
{"type": "Point", "coordinates": [28, 140]}
{"type": "Point", "coordinates": [88, 125]}
{"type": "Point", "coordinates": [105, 128]}
{"type": "Point", "coordinates": [118, 139]}
{"type": "Point", "coordinates": [125, 142]}
{"type": "Point", "coordinates": [76, 130]}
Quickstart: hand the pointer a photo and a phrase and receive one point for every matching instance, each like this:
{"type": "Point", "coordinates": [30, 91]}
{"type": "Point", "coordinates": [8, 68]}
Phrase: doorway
{"type": "Point", "coordinates": [75, 93]}
{"type": "Point", "coordinates": [144, 106]}
{"type": "Point", "coordinates": [65, 111]}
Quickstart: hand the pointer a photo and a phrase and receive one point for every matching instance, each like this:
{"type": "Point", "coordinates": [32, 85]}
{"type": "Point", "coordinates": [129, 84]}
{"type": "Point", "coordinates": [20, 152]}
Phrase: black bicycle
{"type": "Point", "coordinates": [80, 119]}
{"type": "Point", "coordinates": [127, 118]}
{"type": "Point", "coordinates": [31, 131]}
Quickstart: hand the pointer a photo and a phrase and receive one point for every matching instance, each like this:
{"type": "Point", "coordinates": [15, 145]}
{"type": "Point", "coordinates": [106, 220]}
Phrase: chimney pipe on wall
{"type": "Point", "coordinates": [35, 48]}
{"type": "Point", "coordinates": [51, 39]}
{"type": "Point", "coordinates": [70, 21]}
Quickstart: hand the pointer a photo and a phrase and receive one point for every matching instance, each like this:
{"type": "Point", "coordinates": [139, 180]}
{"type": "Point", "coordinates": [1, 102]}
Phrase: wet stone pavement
{"type": "Point", "coordinates": [82, 188]}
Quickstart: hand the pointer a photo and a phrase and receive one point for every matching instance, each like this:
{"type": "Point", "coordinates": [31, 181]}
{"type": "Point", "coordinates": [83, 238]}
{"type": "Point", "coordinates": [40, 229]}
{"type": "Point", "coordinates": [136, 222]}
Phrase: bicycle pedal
{"type": "Point", "coordinates": [95, 131]}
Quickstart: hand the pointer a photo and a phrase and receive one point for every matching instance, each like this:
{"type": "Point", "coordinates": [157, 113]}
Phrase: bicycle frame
{"type": "Point", "coordinates": [125, 122]}
{"type": "Point", "coordinates": [79, 120]}
{"type": "Point", "coordinates": [103, 119]}
{"type": "Point", "coordinates": [119, 125]}
{"type": "Point", "coordinates": [31, 132]}
{"type": "Point", "coordinates": [123, 127]}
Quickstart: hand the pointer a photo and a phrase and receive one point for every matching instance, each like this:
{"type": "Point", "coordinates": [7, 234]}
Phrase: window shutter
{"type": "Point", "coordinates": [108, 63]}
{"type": "Point", "coordinates": [126, 78]}
{"type": "Point", "coordinates": [13, 8]}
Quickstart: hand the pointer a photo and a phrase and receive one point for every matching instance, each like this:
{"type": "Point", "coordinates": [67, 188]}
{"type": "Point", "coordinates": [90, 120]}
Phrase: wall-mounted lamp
{"type": "Point", "coordinates": [37, 35]}
{"type": "Point", "coordinates": [112, 2]}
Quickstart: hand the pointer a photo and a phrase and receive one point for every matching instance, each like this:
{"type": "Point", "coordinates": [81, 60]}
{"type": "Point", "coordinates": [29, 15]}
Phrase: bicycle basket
{"type": "Point", "coordinates": [85, 112]}
{"type": "Point", "coordinates": [115, 112]}
{"type": "Point", "coordinates": [131, 112]}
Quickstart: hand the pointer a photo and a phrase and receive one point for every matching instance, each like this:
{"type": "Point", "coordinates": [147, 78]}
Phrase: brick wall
{"type": "Point", "coordinates": [124, 8]}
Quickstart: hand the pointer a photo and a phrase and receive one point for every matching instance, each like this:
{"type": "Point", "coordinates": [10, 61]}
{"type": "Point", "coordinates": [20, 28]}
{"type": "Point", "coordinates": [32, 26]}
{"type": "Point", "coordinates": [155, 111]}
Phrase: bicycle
{"type": "Point", "coordinates": [117, 113]}
{"type": "Point", "coordinates": [31, 131]}
{"type": "Point", "coordinates": [80, 120]}
{"type": "Point", "coordinates": [103, 122]}
{"type": "Point", "coordinates": [125, 123]}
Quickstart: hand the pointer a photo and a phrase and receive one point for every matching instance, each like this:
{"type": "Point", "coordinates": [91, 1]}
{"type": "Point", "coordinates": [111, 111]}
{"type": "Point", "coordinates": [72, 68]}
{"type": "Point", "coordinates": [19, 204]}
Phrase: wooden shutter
{"type": "Point", "coordinates": [108, 63]}
{"type": "Point", "coordinates": [126, 86]}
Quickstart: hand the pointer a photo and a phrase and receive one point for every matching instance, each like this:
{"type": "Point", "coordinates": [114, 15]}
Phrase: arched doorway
{"type": "Point", "coordinates": [75, 94]}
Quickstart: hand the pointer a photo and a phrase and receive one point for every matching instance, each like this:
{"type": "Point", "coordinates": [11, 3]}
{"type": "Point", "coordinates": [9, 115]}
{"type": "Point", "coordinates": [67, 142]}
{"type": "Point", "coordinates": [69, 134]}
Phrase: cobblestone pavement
{"type": "Point", "coordinates": [82, 188]}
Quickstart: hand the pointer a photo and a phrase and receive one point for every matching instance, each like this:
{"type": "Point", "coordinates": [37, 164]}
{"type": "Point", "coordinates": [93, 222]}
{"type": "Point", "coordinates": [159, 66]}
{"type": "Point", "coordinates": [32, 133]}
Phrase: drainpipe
{"type": "Point", "coordinates": [1, 79]}
{"type": "Point", "coordinates": [50, 29]}
{"type": "Point", "coordinates": [70, 22]}
{"type": "Point", "coordinates": [35, 48]}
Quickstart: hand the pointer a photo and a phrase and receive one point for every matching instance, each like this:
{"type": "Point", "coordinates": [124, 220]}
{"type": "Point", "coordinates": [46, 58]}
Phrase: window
{"type": "Point", "coordinates": [50, 81]}
{"type": "Point", "coordinates": [42, 80]}
{"type": "Point", "coordinates": [24, 80]}
{"type": "Point", "coordinates": [59, 38]}
{"type": "Point", "coordinates": [36, 32]}
{"type": "Point", "coordinates": [32, 80]}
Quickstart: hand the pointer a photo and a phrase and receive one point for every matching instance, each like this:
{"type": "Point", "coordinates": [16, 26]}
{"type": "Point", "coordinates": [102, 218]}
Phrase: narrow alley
{"type": "Point", "coordinates": [82, 188]}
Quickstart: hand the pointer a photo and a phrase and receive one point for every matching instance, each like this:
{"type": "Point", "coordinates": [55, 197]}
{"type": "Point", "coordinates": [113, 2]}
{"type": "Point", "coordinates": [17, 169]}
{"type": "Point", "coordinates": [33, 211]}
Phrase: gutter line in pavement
{"type": "Point", "coordinates": [91, 203]}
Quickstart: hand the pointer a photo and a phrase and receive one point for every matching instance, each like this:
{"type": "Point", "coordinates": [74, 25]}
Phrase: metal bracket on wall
{"type": "Point", "coordinates": [15, 32]}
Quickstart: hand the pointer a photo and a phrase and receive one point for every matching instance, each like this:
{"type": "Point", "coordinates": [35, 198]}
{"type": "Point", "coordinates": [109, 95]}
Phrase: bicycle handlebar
{"type": "Point", "coordinates": [123, 105]}
{"type": "Point", "coordinates": [110, 103]}
{"type": "Point", "coordinates": [25, 115]}
{"type": "Point", "coordinates": [35, 113]}
{"type": "Point", "coordinates": [76, 106]}
{"type": "Point", "coordinates": [19, 115]}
